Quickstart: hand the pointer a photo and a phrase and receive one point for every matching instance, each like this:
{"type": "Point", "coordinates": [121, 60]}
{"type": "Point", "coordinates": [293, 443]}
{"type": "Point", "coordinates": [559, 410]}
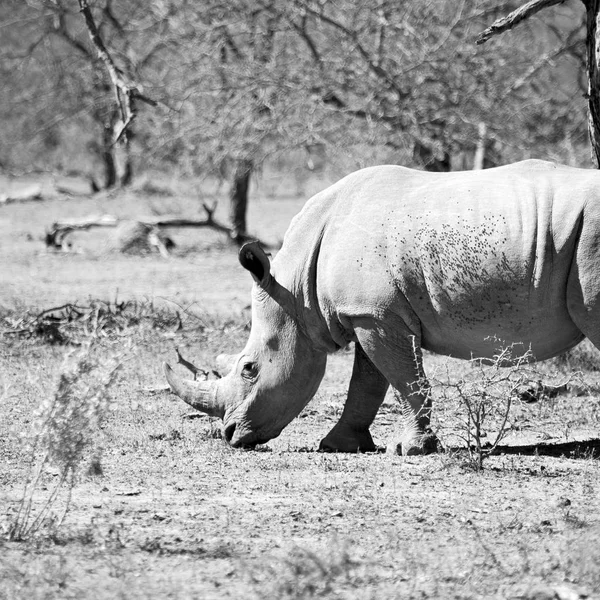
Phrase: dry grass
{"type": "Point", "coordinates": [176, 512]}
{"type": "Point", "coordinates": [66, 432]}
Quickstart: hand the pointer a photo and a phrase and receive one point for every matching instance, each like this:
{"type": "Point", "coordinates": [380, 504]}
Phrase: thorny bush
{"type": "Point", "coordinates": [475, 409]}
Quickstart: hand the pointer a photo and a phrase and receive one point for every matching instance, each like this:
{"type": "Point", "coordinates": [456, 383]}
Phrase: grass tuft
{"type": "Point", "coordinates": [67, 430]}
{"type": "Point", "coordinates": [306, 574]}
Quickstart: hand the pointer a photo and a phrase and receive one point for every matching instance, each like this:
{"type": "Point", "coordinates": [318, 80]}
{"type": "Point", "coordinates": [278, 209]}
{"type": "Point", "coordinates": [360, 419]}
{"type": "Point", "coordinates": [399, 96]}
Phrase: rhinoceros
{"type": "Point", "coordinates": [396, 261]}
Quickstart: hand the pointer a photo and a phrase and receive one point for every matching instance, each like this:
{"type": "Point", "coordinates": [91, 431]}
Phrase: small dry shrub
{"type": "Point", "coordinates": [475, 408]}
{"type": "Point", "coordinates": [67, 432]}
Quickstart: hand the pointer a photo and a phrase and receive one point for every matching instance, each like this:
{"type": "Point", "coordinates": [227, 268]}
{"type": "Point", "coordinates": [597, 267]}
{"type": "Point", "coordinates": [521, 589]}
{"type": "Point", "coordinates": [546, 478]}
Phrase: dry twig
{"type": "Point", "coordinates": [74, 324]}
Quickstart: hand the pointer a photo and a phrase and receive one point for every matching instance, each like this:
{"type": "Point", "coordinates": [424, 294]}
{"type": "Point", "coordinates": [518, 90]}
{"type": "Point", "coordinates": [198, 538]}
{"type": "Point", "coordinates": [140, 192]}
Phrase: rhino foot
{"type": "Point", "coordinates": [426, 443]}
{"type": "Point", "coordinates": [344, 439]}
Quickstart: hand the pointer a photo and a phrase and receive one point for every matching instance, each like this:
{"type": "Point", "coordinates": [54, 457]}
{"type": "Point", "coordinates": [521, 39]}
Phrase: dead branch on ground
{"type": "Point", "coordinates": [33, 192]}
{"type": "Point", "coordinates": [56, 235]}
{"type": "Point", "coordinates": [73, 323]}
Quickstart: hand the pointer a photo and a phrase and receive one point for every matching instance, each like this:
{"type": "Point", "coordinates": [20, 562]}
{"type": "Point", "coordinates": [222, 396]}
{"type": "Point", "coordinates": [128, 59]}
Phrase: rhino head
{"type": "Point", "coordinates": [276, 374]}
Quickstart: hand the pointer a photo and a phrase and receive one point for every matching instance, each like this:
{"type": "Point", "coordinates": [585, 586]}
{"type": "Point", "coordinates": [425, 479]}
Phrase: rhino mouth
{"type": "Point", "coordinates": [229, 432]}
{"type": "Point", "coordinates": [247, 441]}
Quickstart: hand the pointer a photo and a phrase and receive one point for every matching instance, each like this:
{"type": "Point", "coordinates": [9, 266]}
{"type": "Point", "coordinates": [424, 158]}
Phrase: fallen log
{"type": "Point", "coordinates": [149, 226]}
{"type": "Point", "coordinates": [33, 192]}
{"type": "Point", "coordinates": [56, 236]}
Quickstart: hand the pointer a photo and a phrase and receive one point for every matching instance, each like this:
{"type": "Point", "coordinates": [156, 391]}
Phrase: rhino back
{"type": "Point", "coordinates": [460, 257]}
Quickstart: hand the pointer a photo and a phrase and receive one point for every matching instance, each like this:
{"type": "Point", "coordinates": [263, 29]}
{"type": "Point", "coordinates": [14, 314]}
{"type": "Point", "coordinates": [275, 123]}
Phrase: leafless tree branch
{"type": "Point", "coordinates": [126, 92]}
{"type": "Point", "coordinates": [514, 18]}
{"type": "Point", "coordinates": [352, 35]}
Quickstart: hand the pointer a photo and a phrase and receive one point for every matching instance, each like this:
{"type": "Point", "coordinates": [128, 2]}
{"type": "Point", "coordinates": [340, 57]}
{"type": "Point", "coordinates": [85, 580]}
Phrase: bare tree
{"type": "Point", "coordinates": [253, 80]}
{"type": "Point", "coordinates": [407, 76]}
{"type": "Point", "coordinates": [54, 48]}
{"type": "Point", "coordinates": [592, 8]}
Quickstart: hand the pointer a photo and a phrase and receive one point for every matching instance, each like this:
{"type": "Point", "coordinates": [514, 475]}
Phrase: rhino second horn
{"type": "Point", "coordinates": [201, 395]}
{"type": "Point", "coordinates": [226, 362]}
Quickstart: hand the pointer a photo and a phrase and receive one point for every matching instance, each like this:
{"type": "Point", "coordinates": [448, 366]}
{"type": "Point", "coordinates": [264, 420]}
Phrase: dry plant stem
{"type": "Point", "coordinates": [485, 396]}
{"type": "Point", "coordinates": [503, 427]}
{"type": "Point", "coordinates": [22, 526]}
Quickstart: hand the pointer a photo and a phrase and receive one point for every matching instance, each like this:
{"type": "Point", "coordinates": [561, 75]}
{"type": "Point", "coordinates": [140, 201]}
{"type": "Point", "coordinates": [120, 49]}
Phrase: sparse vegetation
{"type": "Point", "coordinates": [66, 434]}
{"type": "Point", "coordinates": [75, 323]}
{"type": "Point", "coordinates": [168, 509]}
{"type": "Point", "coordinates": [475, 408]}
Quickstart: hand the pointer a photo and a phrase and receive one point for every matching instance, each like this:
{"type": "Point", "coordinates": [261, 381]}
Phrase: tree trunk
{"type": "Point", "coordinates": [425, 156]}
{"type": "Point", "coordinates": [127, 168]}
{"type": "Point", "coordinates": [479, 158]}
{"type": "Point", "coordinates": [239, 199]}
{"type": "Point", "coordinates": [108, 157]}
{"type": "Point", "coordinates": [593, 71]}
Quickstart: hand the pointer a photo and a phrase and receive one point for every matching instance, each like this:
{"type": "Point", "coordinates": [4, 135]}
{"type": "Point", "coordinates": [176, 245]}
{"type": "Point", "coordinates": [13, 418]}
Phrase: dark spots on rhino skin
{"type": "Point", "coordinates": [464, 260]}
{"type": "Point", "coordinates": [273, 344]}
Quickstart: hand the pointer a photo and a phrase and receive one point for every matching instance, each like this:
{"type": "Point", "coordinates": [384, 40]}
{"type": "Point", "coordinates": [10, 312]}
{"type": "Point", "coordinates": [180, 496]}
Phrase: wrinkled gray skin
{"type": "Point", "coordinates": [397, 260]}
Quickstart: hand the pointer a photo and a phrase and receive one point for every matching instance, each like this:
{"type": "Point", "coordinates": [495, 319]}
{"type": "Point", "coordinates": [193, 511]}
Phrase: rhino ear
{"type": "Point", "coordinates": [253, 258]}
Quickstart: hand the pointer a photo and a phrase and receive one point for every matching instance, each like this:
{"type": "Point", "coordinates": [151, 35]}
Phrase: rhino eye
{"type": "Point", "coordinates": [249, 370]}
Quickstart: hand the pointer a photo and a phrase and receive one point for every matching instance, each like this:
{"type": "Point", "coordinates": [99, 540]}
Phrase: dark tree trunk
{"type": "Point", "coordinates": [425, 156]}
{"type": "Point", "coordinates": [118, 166]}
{"type": "Point", "coordinates": [239, 199]}
{"type": "Point", "coordinates": [127, 170]}
{"type": "Point", "coordinates": [108, 157]}
{"type": "Point", "coordinates": [479, 157]}
{"type": "Point", "coordinates": [593, 72]}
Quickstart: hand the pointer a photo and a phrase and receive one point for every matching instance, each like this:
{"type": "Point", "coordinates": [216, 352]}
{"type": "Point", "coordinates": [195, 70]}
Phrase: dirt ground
{"type": "Point", "coordinates": [170, 511]}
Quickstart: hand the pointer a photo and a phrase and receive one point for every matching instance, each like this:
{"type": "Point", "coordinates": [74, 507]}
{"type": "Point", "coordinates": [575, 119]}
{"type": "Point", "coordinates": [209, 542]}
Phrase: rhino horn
{"type": "Point", "coordinates": [201, 395]}
{"type": "Point", "coordinates": [225, 363]}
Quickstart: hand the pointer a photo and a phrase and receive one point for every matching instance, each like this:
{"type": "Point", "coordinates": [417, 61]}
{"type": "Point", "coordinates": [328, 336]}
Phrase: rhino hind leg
{"type": "Point", "coordinates": [365, 394]}
{"type": "Point", "coordinates": [396, 352]}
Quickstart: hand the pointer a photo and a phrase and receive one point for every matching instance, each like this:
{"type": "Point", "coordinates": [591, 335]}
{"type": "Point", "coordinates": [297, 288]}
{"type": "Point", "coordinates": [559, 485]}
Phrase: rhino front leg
{"type": "Point", "coordinates": [396, 352]}
{"type": "Point", "coordinates": [365, 395]}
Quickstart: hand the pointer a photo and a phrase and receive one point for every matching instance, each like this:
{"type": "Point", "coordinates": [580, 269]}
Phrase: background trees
{"type": "Point", "coordinates": [242, 82]}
